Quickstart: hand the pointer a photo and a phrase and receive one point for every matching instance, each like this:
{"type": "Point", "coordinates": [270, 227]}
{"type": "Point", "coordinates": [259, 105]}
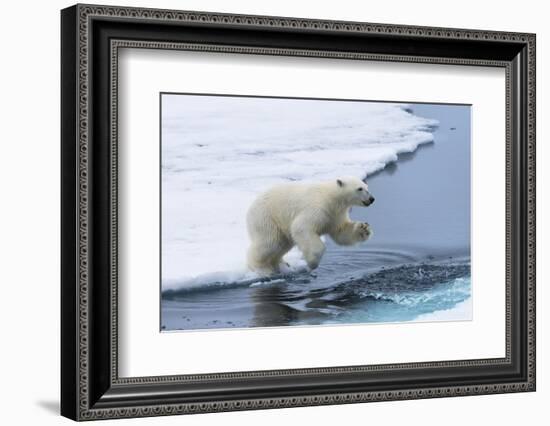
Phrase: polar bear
{"type": "Point", "coordinates": [299, 214]}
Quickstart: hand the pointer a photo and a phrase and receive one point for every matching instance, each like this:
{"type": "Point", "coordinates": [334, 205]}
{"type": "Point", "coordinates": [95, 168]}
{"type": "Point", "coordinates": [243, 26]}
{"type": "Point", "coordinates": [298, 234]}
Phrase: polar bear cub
{"type": "Point", "coordinates": [299, 214]}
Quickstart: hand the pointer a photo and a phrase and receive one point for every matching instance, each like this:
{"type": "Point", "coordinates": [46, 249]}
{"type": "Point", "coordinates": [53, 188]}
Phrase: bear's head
{"type": "Point", "coordinates": [354, 191]}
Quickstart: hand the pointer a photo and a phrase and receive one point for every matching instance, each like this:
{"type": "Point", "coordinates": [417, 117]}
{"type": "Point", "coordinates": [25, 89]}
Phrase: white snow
{"type": "Point", "coordinates": [460, 312]}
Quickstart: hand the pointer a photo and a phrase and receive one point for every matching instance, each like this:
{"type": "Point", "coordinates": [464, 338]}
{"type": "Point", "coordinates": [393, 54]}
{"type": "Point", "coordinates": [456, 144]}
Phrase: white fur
{"type": "Point", "coordinates": [299, 214]}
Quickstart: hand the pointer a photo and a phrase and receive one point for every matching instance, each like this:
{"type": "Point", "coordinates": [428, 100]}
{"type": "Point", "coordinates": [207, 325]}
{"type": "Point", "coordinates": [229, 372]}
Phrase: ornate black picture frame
{"type": "Point", "coordinates": [90, 385]}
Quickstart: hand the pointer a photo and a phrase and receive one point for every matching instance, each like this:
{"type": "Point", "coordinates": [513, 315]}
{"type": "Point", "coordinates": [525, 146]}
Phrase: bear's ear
{"type": "Point", "coordinates": [339, 182]}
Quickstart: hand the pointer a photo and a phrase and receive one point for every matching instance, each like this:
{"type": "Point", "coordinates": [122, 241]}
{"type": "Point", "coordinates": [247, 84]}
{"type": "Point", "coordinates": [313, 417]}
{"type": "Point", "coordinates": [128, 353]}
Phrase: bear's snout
{"type": "Point", "coordinates": [369, 201]}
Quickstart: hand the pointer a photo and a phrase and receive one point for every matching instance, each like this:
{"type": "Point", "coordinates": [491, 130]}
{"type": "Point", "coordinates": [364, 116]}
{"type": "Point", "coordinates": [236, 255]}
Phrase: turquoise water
{"type": "Point", "coordinates": [409, 305]}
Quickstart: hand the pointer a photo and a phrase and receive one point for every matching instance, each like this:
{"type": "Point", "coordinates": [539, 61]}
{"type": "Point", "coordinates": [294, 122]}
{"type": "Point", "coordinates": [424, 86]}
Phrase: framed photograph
{"type": "Point", "coordinates": [263, 212]}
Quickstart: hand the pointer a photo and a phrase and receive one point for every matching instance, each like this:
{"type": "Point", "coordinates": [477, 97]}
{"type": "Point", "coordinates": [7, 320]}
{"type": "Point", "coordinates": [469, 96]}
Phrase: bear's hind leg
{"type": "Point", "coordinates": [259, 258]}
{"type": "Point", "coordinates": [283, 247]}
{"type": "Point", "coordinates": [265, 256]}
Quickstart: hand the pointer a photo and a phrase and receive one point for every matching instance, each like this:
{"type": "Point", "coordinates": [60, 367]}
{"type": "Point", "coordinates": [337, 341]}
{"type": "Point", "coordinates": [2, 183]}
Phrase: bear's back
{"type": "Point", "coordinates": [283, 203]}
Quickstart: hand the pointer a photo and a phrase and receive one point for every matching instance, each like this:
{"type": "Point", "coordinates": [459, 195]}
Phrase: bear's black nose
{"type": "Point", "coordinates": [371, 199]}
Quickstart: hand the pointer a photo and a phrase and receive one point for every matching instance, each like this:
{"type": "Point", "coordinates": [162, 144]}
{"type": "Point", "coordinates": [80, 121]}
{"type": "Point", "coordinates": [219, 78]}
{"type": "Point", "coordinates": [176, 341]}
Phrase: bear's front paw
{"type": "Point", "coordinates": [364, 231]}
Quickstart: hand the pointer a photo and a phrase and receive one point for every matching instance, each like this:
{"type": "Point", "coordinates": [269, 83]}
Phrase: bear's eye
{"type": "Point", "coordinates": [359, 189]}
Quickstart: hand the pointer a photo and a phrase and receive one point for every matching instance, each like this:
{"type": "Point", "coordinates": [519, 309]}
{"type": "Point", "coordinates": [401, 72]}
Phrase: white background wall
{"type": "Point", "coordinates": [29, 212]}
